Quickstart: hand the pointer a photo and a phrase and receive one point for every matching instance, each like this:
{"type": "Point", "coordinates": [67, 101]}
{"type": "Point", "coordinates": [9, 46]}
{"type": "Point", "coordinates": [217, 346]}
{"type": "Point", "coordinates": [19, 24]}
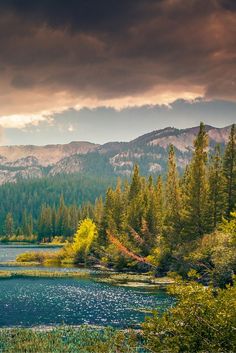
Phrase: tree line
{"type": "Point", "coordinates": [164, 220]}
{"type": "Point", "coordinates": [175, 208]}
{"type": "Point", "coordinates": [175, 223]}
{"type": "Point", "coordinates": [30, 208]}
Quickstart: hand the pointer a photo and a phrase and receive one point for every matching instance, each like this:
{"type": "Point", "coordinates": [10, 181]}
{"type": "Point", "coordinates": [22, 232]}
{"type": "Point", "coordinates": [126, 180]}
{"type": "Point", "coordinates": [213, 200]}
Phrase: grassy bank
{"type": "Point", "coordinates": [19, 264]}
{"type": "Point", "coordinates": [41, 257]}
{"type": "Point", "coordinates": [135, 280]}
{"type": "Point", "coordinates": [120, 279]}
{"type": "Point", "coordinates": [42, 274]}
{"type": "Point", "coordinates": [69, 340]}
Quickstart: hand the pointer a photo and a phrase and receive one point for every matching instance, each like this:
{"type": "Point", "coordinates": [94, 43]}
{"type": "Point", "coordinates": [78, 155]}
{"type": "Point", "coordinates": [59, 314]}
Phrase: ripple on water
{"type": "Point", "coordinates": [29, 302]}
{"type": "Point", "coordinates": [41, 301]}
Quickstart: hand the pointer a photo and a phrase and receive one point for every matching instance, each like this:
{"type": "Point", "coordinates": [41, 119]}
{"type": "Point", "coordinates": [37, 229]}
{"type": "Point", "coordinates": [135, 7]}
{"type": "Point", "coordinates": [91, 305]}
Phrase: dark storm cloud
{"type": "Point", "coordinates": [85, 15]}
{"type": "Point", "coordinates": [114, 49]}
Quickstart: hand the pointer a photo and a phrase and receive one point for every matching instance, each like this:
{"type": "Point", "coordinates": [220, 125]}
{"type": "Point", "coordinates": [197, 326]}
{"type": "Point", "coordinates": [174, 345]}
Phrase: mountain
{"type": "Point", "coordinates": [150, 151]}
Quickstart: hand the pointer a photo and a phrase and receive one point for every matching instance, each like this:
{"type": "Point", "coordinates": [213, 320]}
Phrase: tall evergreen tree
{"type": "Point", "coordinates": [151, 205]}
{"type": "Point", "coordinates": [155, 214]}
{"type": "Point", "coordinates": [159, 206]}
{"type": "Point", "coordinates": [63, 218]}
{"type": "Point", "coordinates": [108, 222]}
{"type": "Point", "coordinates": [27, 224]}
{"type": "Point", "coordinates": [137, 205]}
{"type": "Point", "coordinates": [136, 183]}
{"type": "Point", "coordinates": [119, 210]}
{"type": "Point", "coordinates": [73, 217]}
{"type": "Point", "coordinates": [9, 224]}
{"type": "Point", "coordinates": [185, 188]}
{"type": "Point", "coordinates": [197, 203]}
{"type": "Point", "coordinates": [31, 224]}
{"type": "Point", "coordinates": [216, 187]}
{"type": "Point", "coordinates": [45, 224]}
{"type": "Point", "coordinates": [54, 222]}
{"type": "Point", "coordinates": [172, 200]}
{"type": "Point", "coordinates": [98, 211]}
{"type": "Point", "coordinates": [230, 171]}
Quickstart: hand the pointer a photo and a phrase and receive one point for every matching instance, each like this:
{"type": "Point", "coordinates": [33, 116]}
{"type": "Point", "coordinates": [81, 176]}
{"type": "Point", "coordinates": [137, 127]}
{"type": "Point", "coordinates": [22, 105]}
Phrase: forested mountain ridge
{"type": "Point", "coordinates": [173, 223]}
{"type": "Point", "coordinates": [150, 151]}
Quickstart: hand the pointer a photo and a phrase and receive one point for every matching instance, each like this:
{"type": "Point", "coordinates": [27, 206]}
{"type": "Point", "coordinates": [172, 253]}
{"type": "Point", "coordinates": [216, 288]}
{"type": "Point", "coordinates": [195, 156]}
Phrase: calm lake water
{"type": "Point", "coordinates": [32, 302]}
{"type": "Point", "coordinates": [10, 252]}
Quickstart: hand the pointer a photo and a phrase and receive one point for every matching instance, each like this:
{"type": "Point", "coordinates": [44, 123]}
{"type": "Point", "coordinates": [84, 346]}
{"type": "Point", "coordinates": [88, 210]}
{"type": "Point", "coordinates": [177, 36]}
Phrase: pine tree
{"type": "Point", "coordinates": [159, 206]}
{"type": "Point", "coordinates": [65, 222]}
{"type": "Point", "coordinates": [18, 231]}
{"type": "Point", "coordinates": [108, 222]}
{"type": "Point", "coordinates": [62, 219]}
{"type": "Point", "coordinates": [148, 238]}
{"type": "Point", "coordinates": [172, 187]}
{"type": "Point", "coordinates": [137, 201]}
{"type": "Point", "coordinates": [86, 211]}
{"type": "Point", "coordinates": [9, 224]}
{"type": "Point", "coordinates": [27, 224]}
{"type": "Point", "coordinates": [185, 187]}
{"type": "Point", "coordinates": [151, 206]}
{"type": "Point", "coordinates": [229, 164]}
{"type": "Point", "coordinates": [136, 183]}
{"type": "Point", "coordinates": [119, 210]}
{"type": "Point", "coordinates": [45, 224]}
{"type": "Point", "coordinates": [155, 215]}
{"type": "Point", "coordinates": [172, 201]}
{"type": "Point", "coordinates": [197, 203]}
{"type": "Point", "coordinates": [54, 222]}
{"type": "Point", "coordinates": [30, 224]}
{"type": "Point", "coordinates": [98, 211]}
{"type": "Point", "coordinates": [216, 187]}
{"type": "Point", "coordinates": [73, 217]}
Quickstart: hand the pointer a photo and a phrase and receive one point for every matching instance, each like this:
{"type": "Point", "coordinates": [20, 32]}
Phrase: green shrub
{"type": "Point", "coordinates": [203, 321]}
{"type": "Point", "coordinates": [68, 340]}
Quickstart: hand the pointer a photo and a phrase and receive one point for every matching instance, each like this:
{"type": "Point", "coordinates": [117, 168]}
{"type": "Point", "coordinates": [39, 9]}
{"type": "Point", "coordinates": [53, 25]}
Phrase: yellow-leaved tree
{"type": "Point", "coordinates": [84, 238]}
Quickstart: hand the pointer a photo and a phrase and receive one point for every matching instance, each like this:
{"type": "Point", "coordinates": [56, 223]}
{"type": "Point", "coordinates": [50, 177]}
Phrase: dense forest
{"type": "Point", "coordinates": [24, 205]}
{"type": "Point", "coordinates": [181, 224]}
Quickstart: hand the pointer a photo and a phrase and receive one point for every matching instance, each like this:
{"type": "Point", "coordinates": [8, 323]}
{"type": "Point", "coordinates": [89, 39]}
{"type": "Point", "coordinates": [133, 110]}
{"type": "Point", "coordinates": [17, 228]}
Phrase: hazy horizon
{"type": "Point", "coordinates": [108, 141]}
{"type": "Point", "coordinates": [104, 125]}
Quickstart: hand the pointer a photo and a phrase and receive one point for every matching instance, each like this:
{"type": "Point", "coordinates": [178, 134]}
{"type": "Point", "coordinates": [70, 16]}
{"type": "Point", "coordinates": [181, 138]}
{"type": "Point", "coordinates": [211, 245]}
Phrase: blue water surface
{"type": "Point", "coordinates": [30, 302]}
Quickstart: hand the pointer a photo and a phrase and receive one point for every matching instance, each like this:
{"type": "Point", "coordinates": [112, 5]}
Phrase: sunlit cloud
{"type": "Point", "coordinates": [132, 54]}
{"type": "Point", "coordinates": [156, 96]}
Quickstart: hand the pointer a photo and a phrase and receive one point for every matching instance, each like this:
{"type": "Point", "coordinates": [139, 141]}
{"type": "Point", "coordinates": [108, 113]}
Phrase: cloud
{"type": "Point", "coordinates": [101, 125]}
{"type": "Point", "coordinates": [56, 55]}
{"type": "Point", "coordinates": [71, 128]}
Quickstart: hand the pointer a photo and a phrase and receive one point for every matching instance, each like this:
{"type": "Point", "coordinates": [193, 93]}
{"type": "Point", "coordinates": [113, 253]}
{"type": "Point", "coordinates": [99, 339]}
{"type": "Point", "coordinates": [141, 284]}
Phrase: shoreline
{"type": "Point", "coordinates": [103, 276]}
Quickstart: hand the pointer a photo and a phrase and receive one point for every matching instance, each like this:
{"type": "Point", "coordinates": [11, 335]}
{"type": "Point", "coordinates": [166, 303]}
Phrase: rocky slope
{"type": "Point", "coordinates": [150, 151]}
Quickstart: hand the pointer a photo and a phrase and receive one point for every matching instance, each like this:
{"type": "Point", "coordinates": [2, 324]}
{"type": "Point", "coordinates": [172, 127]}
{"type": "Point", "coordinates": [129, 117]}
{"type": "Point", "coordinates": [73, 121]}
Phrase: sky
{"type": "Point", "coordinates": [114, 69]}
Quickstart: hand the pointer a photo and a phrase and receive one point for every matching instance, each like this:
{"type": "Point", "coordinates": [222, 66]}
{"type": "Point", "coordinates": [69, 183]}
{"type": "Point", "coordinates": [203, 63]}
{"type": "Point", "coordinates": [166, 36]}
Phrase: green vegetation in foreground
{"type": "Point", "coordinates": [203, 321]}
{"type": "Point", "coordinates": [68, 340]}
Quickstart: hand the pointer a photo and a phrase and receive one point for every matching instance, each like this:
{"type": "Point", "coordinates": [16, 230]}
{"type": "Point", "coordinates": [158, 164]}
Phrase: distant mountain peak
{"type": "Point", "coordinates": [149, 150]}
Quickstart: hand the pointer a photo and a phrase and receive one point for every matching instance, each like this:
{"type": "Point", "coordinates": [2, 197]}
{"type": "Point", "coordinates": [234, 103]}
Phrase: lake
{"type": "Point", "coordinates": [10, 252]}
{"type": "Point", "coordinates": [38, 301]}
